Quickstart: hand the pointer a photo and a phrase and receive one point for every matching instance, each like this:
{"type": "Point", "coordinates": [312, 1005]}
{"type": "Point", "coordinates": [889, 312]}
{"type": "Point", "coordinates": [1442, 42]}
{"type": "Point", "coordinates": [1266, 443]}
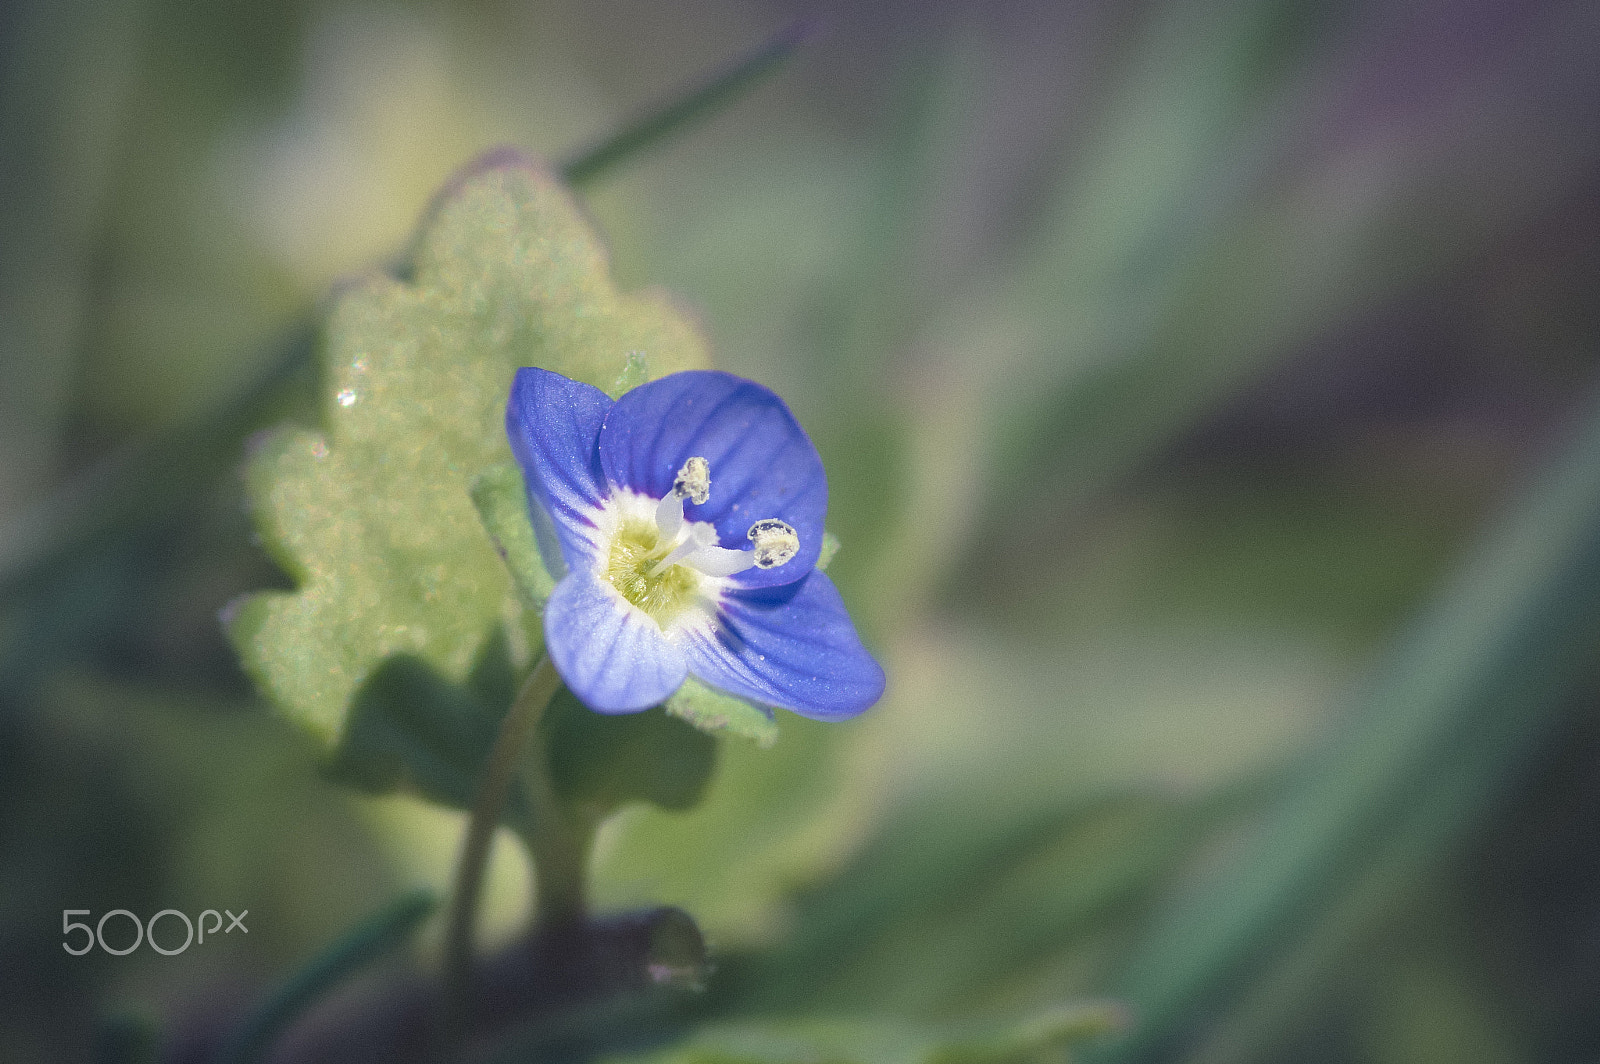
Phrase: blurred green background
{"type": "Point", "coordinates": [1205, 389]}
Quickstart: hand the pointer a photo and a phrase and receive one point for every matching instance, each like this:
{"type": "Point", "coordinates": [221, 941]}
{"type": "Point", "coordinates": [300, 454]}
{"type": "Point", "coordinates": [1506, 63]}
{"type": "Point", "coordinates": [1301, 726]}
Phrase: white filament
{"type": "Point", "coordinates": [700, 538]}
{"type": "Point", "coordinates": [720, 561]}
{"type": "Point", "coordinates": [775, 541]}
{"type": "Point", "coordinates": [669, 519]}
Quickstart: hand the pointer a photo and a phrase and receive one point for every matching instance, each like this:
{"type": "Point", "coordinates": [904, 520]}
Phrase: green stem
{"type": "Point", "coordinates": [520, 724]}
{"type": "Point", "coordinates": [558, 842]}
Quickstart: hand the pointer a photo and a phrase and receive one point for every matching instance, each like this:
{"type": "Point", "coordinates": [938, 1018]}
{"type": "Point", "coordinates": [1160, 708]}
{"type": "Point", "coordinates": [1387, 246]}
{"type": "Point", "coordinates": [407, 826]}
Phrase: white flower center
{"type": "Point", "coordinates": [666, 565]}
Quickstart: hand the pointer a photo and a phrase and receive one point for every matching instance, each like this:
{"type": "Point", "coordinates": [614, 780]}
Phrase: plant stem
{"type": "Point", "coordinates": [520, 724]}
{"type": "Point", "coordinates": [558, 842]}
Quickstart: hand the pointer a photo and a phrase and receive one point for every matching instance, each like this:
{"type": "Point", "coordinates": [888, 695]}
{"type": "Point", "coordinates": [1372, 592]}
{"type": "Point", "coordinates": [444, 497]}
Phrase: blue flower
{"type": "Point", "coordinates": [684, 522]}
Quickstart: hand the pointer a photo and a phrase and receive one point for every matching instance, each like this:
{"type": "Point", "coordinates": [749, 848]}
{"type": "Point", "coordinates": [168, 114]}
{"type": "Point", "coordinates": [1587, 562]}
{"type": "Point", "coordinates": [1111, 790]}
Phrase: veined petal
{"type": "Point", "coordinates": [615, 659]}
{"type": "Point", "coordinates": [763, 465]}
{"type": "Point", "coordinates": [554, 425]}
{"type": "Point", "coordinates": [792, 647]}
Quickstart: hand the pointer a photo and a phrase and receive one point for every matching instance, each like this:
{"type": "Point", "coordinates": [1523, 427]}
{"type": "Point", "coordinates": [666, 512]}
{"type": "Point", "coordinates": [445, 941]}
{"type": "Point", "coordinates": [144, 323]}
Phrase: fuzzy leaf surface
{"type": "Point", "coordinates": [372, 515]}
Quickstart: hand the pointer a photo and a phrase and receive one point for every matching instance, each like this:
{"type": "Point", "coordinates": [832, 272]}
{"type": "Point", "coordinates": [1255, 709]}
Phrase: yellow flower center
{"type": "Point", "coordinates": [635, 551]}
{"type": "Point", "coordinates": [663, 564]}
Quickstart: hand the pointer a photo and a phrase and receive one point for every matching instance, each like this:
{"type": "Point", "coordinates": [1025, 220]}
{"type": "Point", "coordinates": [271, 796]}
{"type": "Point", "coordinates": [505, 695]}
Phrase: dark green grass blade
{"type": "Point", "coordinates": [366, 942]}
{"type": "Point", "coordinates": [1443, 726]}
{"type": "Point", "coordinates": [691, 107]}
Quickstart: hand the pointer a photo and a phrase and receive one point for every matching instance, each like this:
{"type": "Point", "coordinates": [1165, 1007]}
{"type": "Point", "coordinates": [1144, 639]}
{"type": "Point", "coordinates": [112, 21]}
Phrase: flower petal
{"type": "Point", "coordinates": [554, 424]}
{"type": "Point", "coordinates": [792, 647]}
{"type": "Point", "coordinates": [615, 659]}
{"type": "Point", "coordinates": [762, 463]}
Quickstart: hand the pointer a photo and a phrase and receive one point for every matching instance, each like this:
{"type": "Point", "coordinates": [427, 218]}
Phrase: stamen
{"type": "Point", "coordinates": [694, 481]}
{"type": "Point", "coordinates": [720, 561]}
{"type": "Point", "coordinates": [669, 519]}
{"type": "Point", "coordinates": [699, 537]}
{"type": "Point", "coordinates": [776, 542]}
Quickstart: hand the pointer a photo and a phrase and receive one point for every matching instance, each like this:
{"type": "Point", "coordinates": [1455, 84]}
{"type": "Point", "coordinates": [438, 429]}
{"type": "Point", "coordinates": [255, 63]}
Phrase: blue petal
{"type": "Point", "coordinates": [762, 462]}
{"type": "Point", "coordinates": [792, 647]}
{"type": "Point", "coordinates": [554, 424]}
{"type": "Point", "coordinates": [615, 659]}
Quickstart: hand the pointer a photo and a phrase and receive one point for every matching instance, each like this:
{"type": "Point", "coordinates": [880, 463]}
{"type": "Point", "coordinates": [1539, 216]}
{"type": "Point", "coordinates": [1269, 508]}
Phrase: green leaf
{"type": "Point", "coordinates": [502, 501]}
{"type": "Point", "coordinates": [599, 762]}
{"type": "Point", "coordinates": [711, 710]}
{"type": "Point", "coordinates": [860, 1042]}
{"type": "Point", "coordinates": [830, 547]}
{"type": "Point", "coordinates": [411, 730]}
{"type": "Point", "coordinates": [373, 516]}
{"type": "Point", "coordinates": [766, 824]}
{"type": "Point", "coordinates": [634, 373]}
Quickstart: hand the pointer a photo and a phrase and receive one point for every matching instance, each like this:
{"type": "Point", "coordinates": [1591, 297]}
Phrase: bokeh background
{"type": "Point", "coordinates": [1207, 395]}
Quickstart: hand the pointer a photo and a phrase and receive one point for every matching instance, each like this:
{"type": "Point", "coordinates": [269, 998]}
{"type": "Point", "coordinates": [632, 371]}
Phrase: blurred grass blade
{"type": "Point", "coordinates": [693, 106]}
{"type": "Point", "coordinates": [892, 284]}
{"type": "Point", "coordinates": [889, 283]}
{"type": "Point", "coordinates": [1442, 727]}
{"type": "Point", "coordinates": [1195, 245]}
{"type": "Point", "coordinates": [78, 564]}
{"type": "Point", "coordinates": [156, 474]}
{"type": "Point", "coordinates": [949, 878]}
{"type": "Point", "coordinates": [379, 934]}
